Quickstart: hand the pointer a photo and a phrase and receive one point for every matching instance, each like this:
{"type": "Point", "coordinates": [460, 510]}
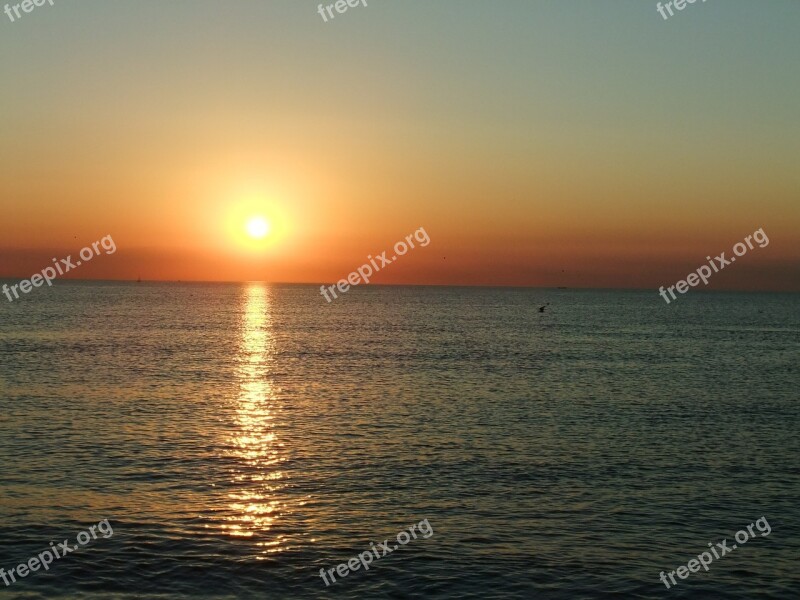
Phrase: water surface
{"type": "Point", "coordinates": [241, 437]}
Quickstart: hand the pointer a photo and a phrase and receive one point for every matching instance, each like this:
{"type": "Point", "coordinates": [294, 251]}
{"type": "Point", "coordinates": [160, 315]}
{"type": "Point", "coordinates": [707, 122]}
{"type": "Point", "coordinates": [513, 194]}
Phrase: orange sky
{"type": "Point", "coordinates": [535, 146]}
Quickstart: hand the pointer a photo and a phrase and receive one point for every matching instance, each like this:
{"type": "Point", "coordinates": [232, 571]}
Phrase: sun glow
{"type": "Point", "coordinates": [254, 223]}
{"type": "Point", "coordinates": [257, 228]}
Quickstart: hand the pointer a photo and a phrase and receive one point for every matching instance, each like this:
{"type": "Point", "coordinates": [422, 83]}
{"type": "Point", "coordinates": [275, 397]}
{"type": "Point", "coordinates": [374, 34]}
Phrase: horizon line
{"type": "Point", "coordinates": [436, 285]}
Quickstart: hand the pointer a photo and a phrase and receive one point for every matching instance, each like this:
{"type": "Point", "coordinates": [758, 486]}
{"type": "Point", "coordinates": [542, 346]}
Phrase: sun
{"type": "Point", "coordinates": [254, 222]}
{"type": "Point", "coordinates": [257, 227]}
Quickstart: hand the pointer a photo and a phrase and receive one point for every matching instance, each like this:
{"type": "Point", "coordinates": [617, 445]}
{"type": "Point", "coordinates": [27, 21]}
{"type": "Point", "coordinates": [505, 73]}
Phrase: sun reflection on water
{"type": "Point", "coordinates": [254, 507]}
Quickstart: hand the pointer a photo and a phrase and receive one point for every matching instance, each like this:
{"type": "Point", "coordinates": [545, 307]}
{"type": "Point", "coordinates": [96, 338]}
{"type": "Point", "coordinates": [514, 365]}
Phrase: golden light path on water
{"type": "Point", "coordinates": [254, 505]}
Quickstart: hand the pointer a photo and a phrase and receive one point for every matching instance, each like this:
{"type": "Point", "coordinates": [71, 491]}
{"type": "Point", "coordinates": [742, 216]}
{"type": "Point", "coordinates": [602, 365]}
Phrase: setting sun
{"type": "Point", "coordinates": [251, 219]}
{"type": "Point", "coordinates": [257, 228]}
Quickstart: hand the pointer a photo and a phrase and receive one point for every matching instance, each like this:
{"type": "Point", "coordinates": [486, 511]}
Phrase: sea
{"type": "Point", "coordinates": [241, 440]}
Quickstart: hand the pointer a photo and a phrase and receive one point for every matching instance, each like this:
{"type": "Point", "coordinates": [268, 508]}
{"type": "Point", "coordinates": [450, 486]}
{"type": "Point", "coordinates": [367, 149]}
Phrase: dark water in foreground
{"type": "Point", "coordinates": [240, 438]}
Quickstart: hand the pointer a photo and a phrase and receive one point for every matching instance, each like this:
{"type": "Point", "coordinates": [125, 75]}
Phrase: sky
{"type": "Point", "coordinates": [577, 143]}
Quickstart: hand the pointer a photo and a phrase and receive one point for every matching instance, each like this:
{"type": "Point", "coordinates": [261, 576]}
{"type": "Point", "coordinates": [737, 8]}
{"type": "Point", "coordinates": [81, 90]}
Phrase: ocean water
{"type": "Point", "coordinates": [239, 438]}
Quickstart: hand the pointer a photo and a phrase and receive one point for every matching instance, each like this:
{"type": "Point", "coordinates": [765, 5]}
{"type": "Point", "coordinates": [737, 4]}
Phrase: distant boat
{"type": "Point", "coordinates": [139, 280]}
